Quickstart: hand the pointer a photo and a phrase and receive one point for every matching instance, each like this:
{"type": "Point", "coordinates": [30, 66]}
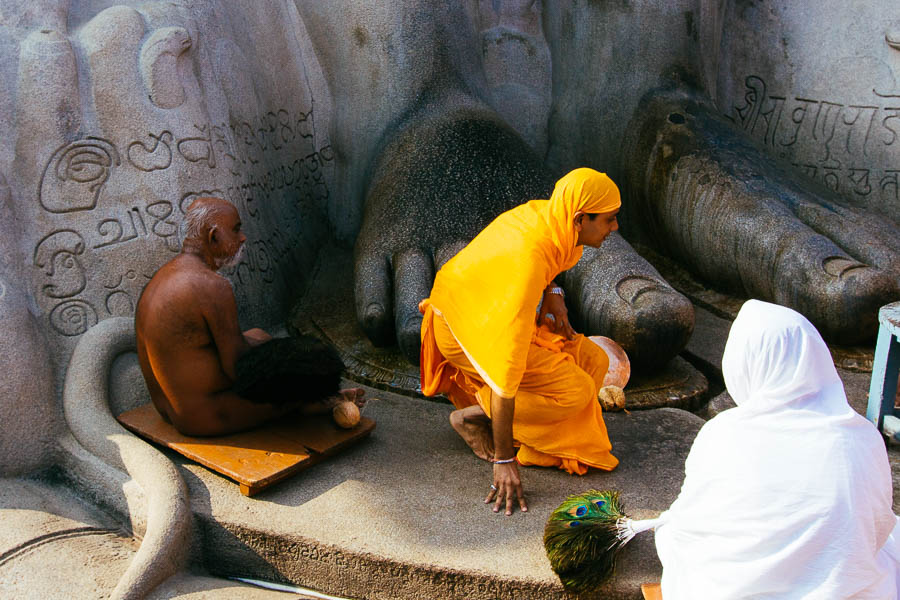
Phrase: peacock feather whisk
{"type": "Point", "coordinates": [583, 536]}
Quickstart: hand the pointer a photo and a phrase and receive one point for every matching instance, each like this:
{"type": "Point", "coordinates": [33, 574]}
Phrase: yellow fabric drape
{"type": "Point", "coordinates": [489, 291]}
{"type": "Point", "coordinates": [479, 331]}
{"type": "Point", "coordinates": [558, 421]}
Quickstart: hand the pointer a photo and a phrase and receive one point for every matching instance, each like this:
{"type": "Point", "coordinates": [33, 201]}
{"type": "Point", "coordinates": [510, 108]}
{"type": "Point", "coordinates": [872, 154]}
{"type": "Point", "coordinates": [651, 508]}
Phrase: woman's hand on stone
{"type": "Point", "coordinates": [507, 487]}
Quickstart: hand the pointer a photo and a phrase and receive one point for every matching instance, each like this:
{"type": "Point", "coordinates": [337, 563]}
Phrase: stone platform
{"type": "Point", "coordinates": [402, 514]}
{"type": "Point", "coordinates": [54, 546]}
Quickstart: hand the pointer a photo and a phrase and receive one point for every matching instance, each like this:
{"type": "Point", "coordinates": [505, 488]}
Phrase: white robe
{"type": "Point", "coordinates": [788, 495]}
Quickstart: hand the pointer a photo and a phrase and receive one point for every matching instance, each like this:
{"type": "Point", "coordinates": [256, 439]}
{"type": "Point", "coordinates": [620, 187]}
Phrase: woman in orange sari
{"type": "Point", "coordinates": [515, 383]}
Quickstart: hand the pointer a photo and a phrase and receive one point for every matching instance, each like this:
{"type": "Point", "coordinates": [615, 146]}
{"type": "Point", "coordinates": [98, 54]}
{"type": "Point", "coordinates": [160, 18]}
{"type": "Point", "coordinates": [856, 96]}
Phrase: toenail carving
{"type": "Point", "coordinates": [633, 287]}
{"type": "Point", "coordinates": [837, 266]}
{"type": "Point", "coordinates": [159, 66]}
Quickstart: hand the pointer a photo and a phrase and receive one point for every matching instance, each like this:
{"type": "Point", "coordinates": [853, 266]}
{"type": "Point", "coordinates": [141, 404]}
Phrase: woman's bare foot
{"type": "Point", "coordinates": [474, 427]}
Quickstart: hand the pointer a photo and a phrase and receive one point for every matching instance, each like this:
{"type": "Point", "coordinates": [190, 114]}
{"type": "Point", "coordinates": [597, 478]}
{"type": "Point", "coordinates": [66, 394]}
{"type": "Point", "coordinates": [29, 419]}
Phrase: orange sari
{"type": "Point", "coordinates": [479, 331]}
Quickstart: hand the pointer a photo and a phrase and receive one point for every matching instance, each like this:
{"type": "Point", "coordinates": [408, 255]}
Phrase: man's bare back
{"type": "Point", "coordinates": [188, 337]}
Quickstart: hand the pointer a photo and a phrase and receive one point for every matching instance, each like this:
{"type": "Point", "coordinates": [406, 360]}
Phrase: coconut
{"type": "Point", "coordinates": [611, 397]}
{"type": "Point", "coordinates": [345, 414]}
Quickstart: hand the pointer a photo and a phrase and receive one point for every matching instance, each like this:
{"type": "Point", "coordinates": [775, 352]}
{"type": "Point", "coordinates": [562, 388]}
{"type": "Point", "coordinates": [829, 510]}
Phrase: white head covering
{"type": "Point", "coordinates": [788, 495]}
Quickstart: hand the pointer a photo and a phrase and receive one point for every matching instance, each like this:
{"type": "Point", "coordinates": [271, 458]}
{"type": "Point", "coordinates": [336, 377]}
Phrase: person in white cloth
{"type": "Point", "coordinates": [788, 495]}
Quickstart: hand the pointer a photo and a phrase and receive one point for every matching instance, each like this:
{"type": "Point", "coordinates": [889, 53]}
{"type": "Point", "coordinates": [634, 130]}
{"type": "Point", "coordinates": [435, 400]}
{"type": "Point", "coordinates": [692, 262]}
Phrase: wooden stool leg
{"type": "Point", "coordinates": [885, 370]}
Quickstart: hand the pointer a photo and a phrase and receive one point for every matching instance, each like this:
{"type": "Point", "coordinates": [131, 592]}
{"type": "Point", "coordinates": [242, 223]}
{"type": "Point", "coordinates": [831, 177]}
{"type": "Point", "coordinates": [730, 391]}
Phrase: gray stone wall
{"type": "Point", "coordinates": [817, 85]}
{"type": "Point", "coordinates": [113, 120]}
{"type": "Point", "coordinates": [114, 116]}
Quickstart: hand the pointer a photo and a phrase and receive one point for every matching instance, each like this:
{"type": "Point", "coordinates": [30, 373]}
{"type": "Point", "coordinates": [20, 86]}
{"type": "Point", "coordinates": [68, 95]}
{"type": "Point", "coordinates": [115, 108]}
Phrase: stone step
{"type": "Point", "coordinates": [402, 514]}
{"type": "Point", "coordinates": [55, 546]}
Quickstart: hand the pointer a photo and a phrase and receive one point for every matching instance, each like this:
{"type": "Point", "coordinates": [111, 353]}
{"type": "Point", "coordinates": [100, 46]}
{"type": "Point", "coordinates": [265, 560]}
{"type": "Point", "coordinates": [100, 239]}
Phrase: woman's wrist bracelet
{"type": "Point", "coordinates": [504, 461]}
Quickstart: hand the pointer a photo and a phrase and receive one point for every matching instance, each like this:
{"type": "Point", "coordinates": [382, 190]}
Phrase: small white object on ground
{"type": "Point", "coordinates": [891, 427]}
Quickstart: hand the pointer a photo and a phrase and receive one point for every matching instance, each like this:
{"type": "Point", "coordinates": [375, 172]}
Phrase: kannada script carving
{"type": "Point", "coordinates": [73, 317]}
{"type": "Point", "coordinates": [57, 256]}
{"type": "Point", "coordinates": [154, 219]}
{"type": "Point", "coordinates": [268, 167]}
{"type": "Point", "coordinates": [154, 156]}
{"type": "Point", "coordinates": [198, 148]}
{"type": "Point", "coordinates": [75, 175]}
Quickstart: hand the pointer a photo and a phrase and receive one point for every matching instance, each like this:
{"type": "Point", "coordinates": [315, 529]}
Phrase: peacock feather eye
{"type": "Point", "coordinates": [585, 558]}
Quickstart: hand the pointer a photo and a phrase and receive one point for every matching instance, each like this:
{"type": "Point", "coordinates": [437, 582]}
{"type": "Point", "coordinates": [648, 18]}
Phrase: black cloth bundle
{"type": "Point", "coordinates": [289, 369]}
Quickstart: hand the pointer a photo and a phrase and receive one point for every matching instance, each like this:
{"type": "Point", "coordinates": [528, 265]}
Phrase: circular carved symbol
{"type": "Point", "coordinates": [73, 317]}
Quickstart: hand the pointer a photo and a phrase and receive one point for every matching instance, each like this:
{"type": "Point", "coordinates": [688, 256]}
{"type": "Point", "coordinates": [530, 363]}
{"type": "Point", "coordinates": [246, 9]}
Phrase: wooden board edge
{"type": "Point", "coordinates": [250, 488]}
{"type": "Point", "coordinates": [314, 459]}
{"type": "Point", "coordinates": [243, 481]}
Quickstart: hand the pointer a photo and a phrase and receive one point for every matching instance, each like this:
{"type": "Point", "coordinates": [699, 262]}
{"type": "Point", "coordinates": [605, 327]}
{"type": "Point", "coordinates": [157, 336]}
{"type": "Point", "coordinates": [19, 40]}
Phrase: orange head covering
{"type": "Point", "coordinates": [584, 190]}
{"type": "Point", "coordinates": [489, 291]}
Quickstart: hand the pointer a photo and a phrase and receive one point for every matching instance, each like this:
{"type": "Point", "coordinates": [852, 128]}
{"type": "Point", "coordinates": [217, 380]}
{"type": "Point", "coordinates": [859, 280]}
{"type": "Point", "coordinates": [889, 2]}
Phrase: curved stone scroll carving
{"type": "Point", "coordinates": [75, 175]}
{"type": "Point", "coordinates": [159, 65]}
{"type": "Point", "coordinates": [57, 255]}
{"type": "Point", "coordinates": [892, 36]}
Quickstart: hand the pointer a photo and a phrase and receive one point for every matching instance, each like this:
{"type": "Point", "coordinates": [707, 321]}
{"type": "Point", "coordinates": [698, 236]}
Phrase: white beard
{"type": "Point", "coordinates": [228, 263]}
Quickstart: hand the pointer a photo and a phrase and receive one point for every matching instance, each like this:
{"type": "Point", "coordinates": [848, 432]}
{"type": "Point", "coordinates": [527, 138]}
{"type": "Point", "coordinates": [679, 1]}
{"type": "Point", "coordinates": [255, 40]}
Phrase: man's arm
{"type": "Point", "coordinates": [507, 485]}
{"type": "Point", "coordinates": [220, 312]}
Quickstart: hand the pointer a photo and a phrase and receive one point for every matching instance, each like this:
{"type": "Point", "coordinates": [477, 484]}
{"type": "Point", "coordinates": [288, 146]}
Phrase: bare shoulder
{"type": "Point", "coordinates": [179, 293]}
{"type": "Point", "coordinates": [184, 277]}
{"type": "Point", "coordinates": [212, 290]}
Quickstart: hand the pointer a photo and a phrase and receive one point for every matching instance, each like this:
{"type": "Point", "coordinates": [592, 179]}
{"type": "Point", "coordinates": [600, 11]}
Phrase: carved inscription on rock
{"type": "Point", "coordinates": [89, 265]}
{"type": "Point", "coordinates": [851, 148]}
{"type": "Point", "coordinates": [57, 256]}
{"type": "Point", "coordinates": [156, 219]}
{"type": "Point", "coordinates": [153, 155]}
{"type": "Point", "coordinates": [73, 317]}
{"type": "Point", "coordinates": [75, 175]}
{"type": "Point", "coordinates": [121, 292]}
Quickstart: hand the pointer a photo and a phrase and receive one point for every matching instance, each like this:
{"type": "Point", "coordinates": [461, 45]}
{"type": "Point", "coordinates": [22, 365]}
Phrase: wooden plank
{"type": "Point", "coordinates": [321, 435]}
{"type": "Point", "coordinates": [258, 458]}
{"type": "Point", "coordinates": [651, 591]}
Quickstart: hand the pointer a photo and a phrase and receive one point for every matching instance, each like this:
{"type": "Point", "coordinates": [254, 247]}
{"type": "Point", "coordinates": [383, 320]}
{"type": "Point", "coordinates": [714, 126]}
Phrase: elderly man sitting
{"type": "Point", "coordinates": [188, 338]}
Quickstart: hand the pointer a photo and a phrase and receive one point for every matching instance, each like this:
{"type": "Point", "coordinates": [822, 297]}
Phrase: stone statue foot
{"type": "Point", "coordinates": [707, 196]}
{"type": "Point", "coordinates": [616, 293]}
{"type": "Point", "coordinates": [437, 183]}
